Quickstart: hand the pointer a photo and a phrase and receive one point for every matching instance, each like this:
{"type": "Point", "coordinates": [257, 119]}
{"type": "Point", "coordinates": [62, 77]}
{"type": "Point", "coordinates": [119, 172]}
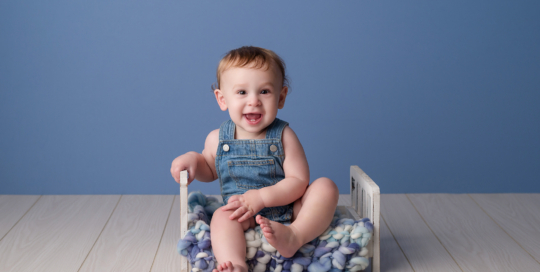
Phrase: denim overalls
{"type": "Point", "coordinates": [243, 165]}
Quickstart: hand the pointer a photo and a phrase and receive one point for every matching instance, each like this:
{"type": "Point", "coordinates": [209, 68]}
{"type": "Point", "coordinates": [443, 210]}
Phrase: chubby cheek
{"type": "Point", "coordinates": [236, 112]}
{"type": "Point", "coordinates": [272, 107]}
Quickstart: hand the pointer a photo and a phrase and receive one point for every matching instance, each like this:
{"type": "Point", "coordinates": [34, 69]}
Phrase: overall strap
{"type": "Point", "coordinates": [226, 131]}
{"type": "Point", "coordinates": [275, 130]}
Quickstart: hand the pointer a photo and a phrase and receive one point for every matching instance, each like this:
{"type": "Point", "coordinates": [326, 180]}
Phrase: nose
{"type": "Point", "coordinates": [254, 101]}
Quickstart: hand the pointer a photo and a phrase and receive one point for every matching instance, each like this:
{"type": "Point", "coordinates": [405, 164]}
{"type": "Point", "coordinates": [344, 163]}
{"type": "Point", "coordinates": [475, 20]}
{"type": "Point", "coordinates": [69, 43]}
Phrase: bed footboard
{"type": "Point", "coordinates": [366, 202]}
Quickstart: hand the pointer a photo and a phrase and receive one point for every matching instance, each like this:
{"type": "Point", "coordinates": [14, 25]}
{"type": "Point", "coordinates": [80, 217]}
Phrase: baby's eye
{"type": "Point", "coordinates": [265, 91]}
{"type": "Point", "coordinates": [241, 92]}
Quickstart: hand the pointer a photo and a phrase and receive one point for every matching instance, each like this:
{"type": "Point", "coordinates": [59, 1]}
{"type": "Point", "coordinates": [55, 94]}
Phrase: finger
{"type": "Point", "coordinates": [239, 212]}
{"type": "Point", "coordinates": [245, 217]}
{"type": "Point", "coordinates": [173, 173]}
{"type": "Point", "coordinates": [175, 176]}
{"type": "Point", "coordinates": [191, 175]}
{"type": "Point", "coordinates": [232, 206]}
{"type": "Point", "coordinates": [233, 198]}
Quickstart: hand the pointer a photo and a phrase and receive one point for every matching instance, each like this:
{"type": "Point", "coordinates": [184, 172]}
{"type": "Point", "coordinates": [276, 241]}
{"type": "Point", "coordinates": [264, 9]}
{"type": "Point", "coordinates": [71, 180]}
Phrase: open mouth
{"type": "Point", "coordinates": [253, 118]}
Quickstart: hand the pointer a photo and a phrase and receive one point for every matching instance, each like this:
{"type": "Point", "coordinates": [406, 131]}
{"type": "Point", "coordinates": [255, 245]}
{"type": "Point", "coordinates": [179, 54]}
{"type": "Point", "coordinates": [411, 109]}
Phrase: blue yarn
{"type": "Point", "coordinates": [196, 199]}
{"type": "Point", "coordinates": [355, 246]}
{"type": "Point", "coordinates": [204, 244]}
{"type": "Point", "coordinates": [287, 265]}
{"type": "Point", "coordinates": [337, 249]}
{"type": "Point", "coordinates": [369, 226]}
{"type": "Point", "coordinates": [302, 260]}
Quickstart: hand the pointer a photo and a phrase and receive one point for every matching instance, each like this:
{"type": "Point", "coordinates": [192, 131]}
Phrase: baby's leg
{"type": "Point", "coordinates": [313, 213]}
{"type": "Point", "coordinates": [229, 242]}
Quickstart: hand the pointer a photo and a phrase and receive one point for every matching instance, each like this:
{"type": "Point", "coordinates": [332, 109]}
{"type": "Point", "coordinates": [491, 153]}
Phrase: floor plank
{"type": "Point", "coordinates": [470, 235]}
{"type": "Point", "coordinates": [419, 244]}
{"type": "Point", "coordinates": [56, 234]}
{"type": "Point", "coordinates": [392, 257]}
{"type": "Point", "coordinates": [167, 258]}
{"type": "Point", "coordinates": [12, 209]}
{"type": "Point", "coordinates": [130, 240]}
{"type": "Point", "coordinates": [518, 215]}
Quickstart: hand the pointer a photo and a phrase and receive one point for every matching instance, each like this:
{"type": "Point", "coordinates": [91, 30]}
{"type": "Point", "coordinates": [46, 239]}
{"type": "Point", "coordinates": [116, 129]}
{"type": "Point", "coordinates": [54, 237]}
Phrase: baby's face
{"type": "Point", "coordinates": [253, 97]}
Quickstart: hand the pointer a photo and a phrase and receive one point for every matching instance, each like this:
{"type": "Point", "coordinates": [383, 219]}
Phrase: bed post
{"type": "Point", "coordinates": [365, 200]}
{"type": "Point", "coordinates": [183, 214]}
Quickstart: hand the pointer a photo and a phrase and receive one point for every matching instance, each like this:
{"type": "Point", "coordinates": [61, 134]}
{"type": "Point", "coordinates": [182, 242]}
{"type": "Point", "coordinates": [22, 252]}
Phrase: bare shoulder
{"type": "Point", "coordinates": [213, 135]}
{"type": "Point", "coordinates": [295, 163]}
{"type": "Point", "coordinates": [210, 150]}
{"type": "Point", "coordinates": [211, 143]}
{"type": "Point", "coordinates": [289, 138]}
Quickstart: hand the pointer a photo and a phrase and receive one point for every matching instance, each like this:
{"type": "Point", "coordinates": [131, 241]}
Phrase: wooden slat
{"type": "Point", "coordinates": [419, 244]}
{"type": "Point", "coordinates": [344, 200]}
{"type": "Point", "coordinates": [518, 215]}
{"type": "Point", "coordinates": [167, 258]}
{"type": "Point", "coordinates": [130, 240]}
{"type": "Point", "coordinates": [470, 235]}
{"type": "Point", "coordinates": [56, 234]}
{"type": "Point", "coordinates": [392, 258]}
{"type": "Point", "coordinates": [12, 209]}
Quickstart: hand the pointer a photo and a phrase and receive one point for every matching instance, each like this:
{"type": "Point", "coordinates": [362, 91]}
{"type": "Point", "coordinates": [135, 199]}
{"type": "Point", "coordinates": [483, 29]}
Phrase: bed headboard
{"type": "Point", "coordinates": [184, 266]}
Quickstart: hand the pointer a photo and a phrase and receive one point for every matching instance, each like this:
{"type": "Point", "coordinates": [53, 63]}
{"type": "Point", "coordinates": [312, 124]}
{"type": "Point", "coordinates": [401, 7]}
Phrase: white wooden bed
{"type": "Point", "coordinates": [365, 202]}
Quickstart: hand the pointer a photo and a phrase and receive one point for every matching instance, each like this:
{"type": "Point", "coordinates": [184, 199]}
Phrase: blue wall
{"type": "Point", "coordinates": [98, 97]}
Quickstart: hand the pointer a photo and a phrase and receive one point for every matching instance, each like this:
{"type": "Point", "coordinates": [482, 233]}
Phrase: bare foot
{"type": "Point", "coordinates": [282, 238]}
{"type": "Point", "coordinates": [229, 267]}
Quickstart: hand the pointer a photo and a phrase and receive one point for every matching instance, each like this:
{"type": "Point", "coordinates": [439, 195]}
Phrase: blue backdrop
{"type": "Point", "coordinates": [98, 97]}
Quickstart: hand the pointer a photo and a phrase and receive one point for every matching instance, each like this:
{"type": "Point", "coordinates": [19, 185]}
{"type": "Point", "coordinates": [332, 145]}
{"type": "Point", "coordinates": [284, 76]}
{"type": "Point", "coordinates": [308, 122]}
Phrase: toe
{"type": "Point", "coordinates": [269, 235]}
{"type": "Point", "coordinates": [268, 229]}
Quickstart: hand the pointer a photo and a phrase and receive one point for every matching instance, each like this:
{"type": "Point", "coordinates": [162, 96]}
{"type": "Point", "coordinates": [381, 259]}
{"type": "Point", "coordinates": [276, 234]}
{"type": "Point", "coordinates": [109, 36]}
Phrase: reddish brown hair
{"type": "Point", "coordinates": [250, 55]}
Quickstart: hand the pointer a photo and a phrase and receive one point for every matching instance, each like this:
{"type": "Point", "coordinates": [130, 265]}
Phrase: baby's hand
{"type": "Point", "coordinates": [244, 206]}
{"type": "Point", "coordinates": [187, 162]}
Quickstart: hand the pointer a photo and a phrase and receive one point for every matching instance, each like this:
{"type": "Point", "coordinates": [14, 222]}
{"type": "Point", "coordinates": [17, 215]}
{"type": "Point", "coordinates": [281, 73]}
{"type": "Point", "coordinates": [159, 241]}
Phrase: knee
{"type": "Point", "coordinates": [327, 186]}
{"type": "Point", "coordinates": [220, 215]}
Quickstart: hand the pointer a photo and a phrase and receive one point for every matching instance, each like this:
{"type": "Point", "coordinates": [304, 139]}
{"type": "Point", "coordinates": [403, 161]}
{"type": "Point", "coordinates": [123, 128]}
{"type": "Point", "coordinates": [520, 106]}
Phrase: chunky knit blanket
{"type": "Point", "coordinates": [342, 247]}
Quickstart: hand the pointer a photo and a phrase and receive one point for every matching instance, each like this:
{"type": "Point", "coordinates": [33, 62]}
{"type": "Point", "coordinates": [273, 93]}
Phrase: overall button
{"type": "Point", "coordinates": [273, 148]}
{"type": "Point", "coordinates": [225, 147]}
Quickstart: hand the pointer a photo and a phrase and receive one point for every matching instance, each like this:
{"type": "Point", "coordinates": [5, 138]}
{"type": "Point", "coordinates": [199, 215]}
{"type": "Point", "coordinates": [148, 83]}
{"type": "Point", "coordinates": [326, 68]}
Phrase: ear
{"type": "Point", "coordinates": [282, 96]}
{"type": "Point", "coordinates": [220, 99]}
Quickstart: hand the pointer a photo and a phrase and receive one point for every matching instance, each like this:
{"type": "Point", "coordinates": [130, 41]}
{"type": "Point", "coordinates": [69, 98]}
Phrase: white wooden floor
{"type": "Point", "coordinates": [419, 232]}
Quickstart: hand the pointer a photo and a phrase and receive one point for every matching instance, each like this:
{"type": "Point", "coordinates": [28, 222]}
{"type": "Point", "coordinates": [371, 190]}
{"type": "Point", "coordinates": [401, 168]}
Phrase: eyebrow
{"type": "Point", "coordinates": [243, 85]}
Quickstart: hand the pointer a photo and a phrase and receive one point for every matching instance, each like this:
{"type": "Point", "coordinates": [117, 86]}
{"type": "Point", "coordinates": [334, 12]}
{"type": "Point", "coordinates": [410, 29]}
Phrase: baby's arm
{"type": "Point", "coordinates": [296, 169]}
{"type": "Point", "coordinates": [199, 166]}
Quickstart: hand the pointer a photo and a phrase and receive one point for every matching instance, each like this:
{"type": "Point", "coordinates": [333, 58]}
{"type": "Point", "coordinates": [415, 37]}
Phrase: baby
{"type": "Point", "coordinates": [260, 163]}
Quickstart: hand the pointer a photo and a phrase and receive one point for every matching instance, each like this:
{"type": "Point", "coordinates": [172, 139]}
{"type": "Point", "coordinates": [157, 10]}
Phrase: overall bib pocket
{"type": "Point", "coordinates": [252, 174]}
